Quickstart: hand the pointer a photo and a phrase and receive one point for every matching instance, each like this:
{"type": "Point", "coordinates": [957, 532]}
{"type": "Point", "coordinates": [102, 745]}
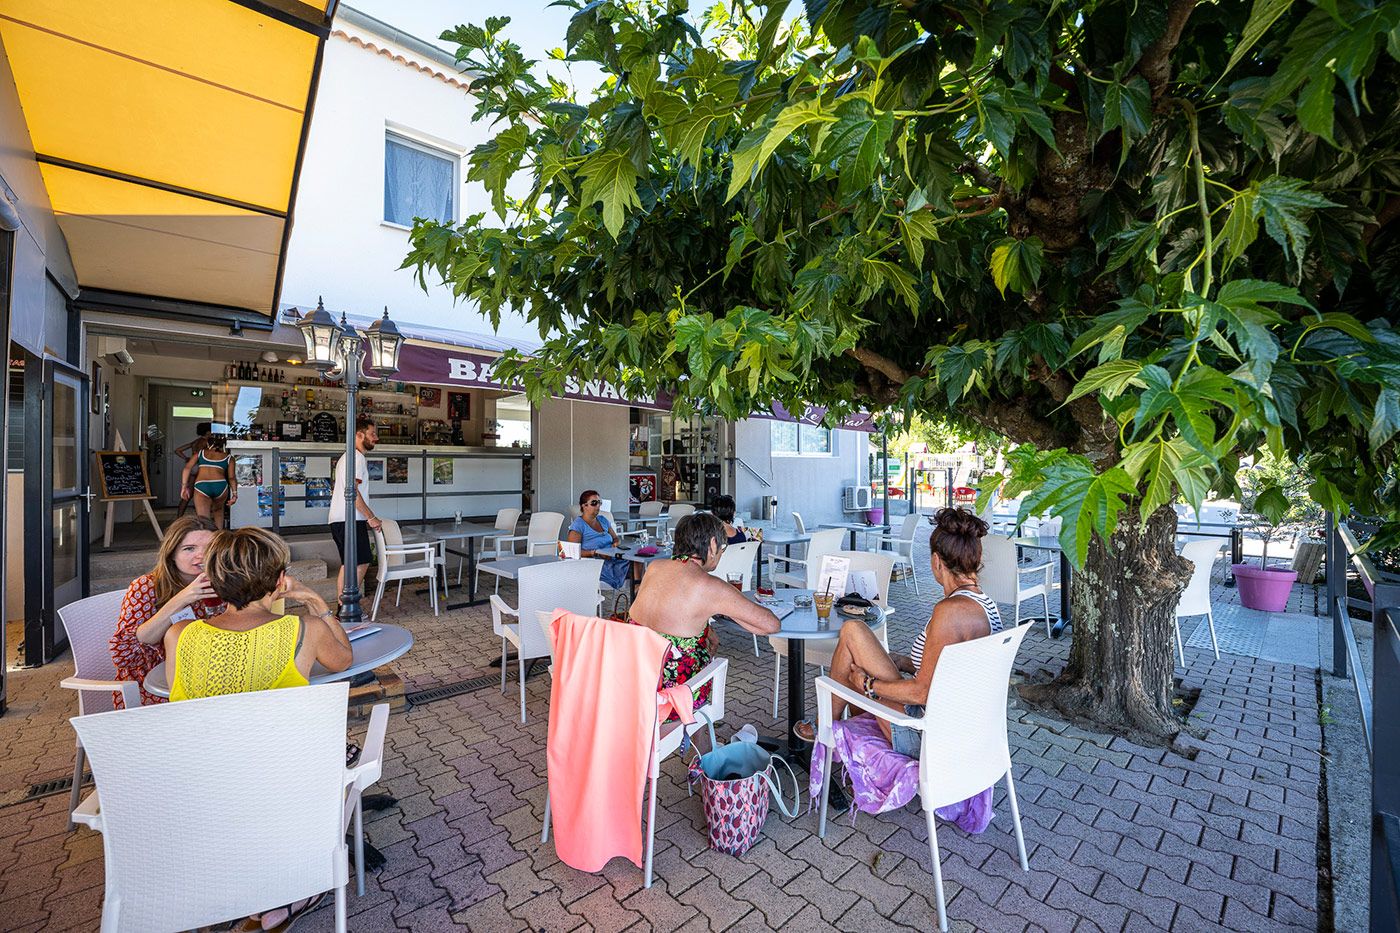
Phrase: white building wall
{"type": "Point", "coordinates": [341, 248]}
{"type": "Point", "coordinates": [811, 485]}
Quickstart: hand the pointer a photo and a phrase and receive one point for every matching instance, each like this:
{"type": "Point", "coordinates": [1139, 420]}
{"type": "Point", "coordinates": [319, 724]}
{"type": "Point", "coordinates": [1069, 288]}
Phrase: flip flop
{"type": "Point", "coordinates": [797, 728]}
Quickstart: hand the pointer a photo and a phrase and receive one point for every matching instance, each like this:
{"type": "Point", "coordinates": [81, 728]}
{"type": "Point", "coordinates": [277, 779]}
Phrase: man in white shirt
{"type": "Point", "coordinates": [366, 436]}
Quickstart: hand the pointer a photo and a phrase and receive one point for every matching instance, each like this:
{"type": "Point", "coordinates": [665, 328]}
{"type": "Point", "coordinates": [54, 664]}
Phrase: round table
{"type": "Point", "coordinates": [370, 651]}
{"type": "Point", "coordinates": [799, 627]}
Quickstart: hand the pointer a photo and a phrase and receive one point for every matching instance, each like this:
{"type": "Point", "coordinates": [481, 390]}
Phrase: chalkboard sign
{"type": "Point", "coordinates": [122, 474]}
{"type": "Point", "coordinates": [325, 429]}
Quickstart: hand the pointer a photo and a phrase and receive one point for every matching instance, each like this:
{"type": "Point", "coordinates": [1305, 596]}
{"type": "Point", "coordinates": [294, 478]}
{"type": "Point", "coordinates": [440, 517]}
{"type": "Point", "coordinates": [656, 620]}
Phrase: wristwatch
{"type": "Point", "coordinates": [870, 688]}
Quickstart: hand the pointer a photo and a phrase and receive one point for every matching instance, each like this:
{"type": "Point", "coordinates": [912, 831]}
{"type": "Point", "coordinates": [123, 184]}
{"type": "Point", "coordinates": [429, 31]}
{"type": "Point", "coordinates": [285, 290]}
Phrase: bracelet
{"type": "Point", "coordinates": [870, 688]}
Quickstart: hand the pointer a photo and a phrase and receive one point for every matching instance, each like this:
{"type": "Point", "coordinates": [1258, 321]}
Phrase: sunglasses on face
{"type": "Point", "coordinates": [594, 502]}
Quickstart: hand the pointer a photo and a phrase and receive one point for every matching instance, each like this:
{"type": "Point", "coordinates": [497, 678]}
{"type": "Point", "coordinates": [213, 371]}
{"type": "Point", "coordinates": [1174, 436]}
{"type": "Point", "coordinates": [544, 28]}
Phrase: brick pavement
{"type": "Point", "coordinates": [1120, 837]}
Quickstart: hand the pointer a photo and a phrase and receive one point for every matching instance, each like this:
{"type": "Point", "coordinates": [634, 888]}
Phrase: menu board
{"type": "Point", "coordinates": [122, 475]}
{"type": "Point", "coordinates": [324, 428]}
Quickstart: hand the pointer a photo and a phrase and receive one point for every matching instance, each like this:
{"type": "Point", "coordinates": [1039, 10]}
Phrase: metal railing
{"type": "Point", "coordinates": [1380, 706]}
{"type": "Point", "coordinates": [422, 494]}
{"type": "Point", "coordinates": [755, 473]}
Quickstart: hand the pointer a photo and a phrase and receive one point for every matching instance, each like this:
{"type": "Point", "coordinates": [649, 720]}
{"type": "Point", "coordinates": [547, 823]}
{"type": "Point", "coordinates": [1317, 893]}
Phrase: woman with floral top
{"type": "Point", "coordinates": [678, 596]}
{"type": "Point", "coordinates": [175, 590]}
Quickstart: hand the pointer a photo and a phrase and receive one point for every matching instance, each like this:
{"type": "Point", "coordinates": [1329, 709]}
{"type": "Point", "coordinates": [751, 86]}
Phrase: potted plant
{"type": "Point", "coordinates": [1274, 501]}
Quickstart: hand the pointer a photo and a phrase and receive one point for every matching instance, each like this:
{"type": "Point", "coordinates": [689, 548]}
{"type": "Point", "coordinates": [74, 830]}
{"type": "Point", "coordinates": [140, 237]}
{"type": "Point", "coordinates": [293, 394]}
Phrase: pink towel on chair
{"type": "Point", "coordinates": [602, 712]}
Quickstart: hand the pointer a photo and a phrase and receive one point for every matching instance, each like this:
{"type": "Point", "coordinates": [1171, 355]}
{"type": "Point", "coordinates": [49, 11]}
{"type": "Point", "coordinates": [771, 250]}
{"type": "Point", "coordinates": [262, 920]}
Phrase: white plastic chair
{"type": "Point", "coordinates": [675, 513]}
{"type": "Point", "coordinates": [650, 509]}
{"type": "Point", "coordinates": [540, 536]}
{"type": "Point", "coordinates": [623, 535]}
{"type": "Point", "coordinates": [506, 520]}
{"type": "Point", "coordinates": [1003, 578]}
{"type": "Point", "coordinates": [1195, 599]}
{"type": "Point", "coordinates": [798, 524]}
{"type": "Point", "coordinates": [665, 741]}
{"type": "Point", "coordinates": [824, 542]}
{"type": "Point", "coordinates": [819, 653]}
{"type": "Point", "coordinates": [964, 747]}
{"type": "Point", "coordinates": [902, 546]}
{"type": "Point", "coordinates": [565, 584]}
{"type": "Point", "coordinates": [89, 624]}
{"type": "Point", "coordinates": [255, 783]}
{"type": "Point", "coordinates": [399, 562]}
{"type": "Point", "coordinates": [739, 558]}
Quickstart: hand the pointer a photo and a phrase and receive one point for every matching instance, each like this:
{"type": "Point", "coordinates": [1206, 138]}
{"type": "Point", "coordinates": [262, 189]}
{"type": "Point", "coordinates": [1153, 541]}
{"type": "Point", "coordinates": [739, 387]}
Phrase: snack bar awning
{"type": "Point", "coordinates": [170, 135]}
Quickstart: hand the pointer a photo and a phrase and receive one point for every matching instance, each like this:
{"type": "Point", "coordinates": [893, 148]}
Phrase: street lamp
{"type": "Point", "coordinates": [337, 350]}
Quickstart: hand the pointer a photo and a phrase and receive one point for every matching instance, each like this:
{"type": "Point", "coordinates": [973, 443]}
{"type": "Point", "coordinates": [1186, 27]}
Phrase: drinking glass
{"type": "Point", "coordinates": [736, 580]}
{"type": "Point", "coordinates": [823, 603]}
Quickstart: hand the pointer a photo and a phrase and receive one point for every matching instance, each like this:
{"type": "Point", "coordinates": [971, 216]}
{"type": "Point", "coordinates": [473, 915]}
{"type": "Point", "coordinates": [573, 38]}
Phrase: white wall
{"type": "Point", "coordinates": [578, 446]}
{"type": "Point", "coordinates": [340, 247]}
{"type": "Point", "coordinates": [811, 485]}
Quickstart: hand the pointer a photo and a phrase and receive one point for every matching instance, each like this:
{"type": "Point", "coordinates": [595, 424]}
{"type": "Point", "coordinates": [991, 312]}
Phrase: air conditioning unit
{"type": "Point", "coordinates": [857, 499]}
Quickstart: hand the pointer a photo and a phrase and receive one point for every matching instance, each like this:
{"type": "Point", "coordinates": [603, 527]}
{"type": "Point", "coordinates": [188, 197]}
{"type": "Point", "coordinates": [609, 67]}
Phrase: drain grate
{"type": "Point", "coordinates": [41, 790]}
{"type": "Point", "coordinates": [448, 691]}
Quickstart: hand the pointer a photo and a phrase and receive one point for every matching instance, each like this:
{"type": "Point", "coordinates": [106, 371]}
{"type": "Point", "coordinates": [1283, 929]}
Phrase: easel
{"type": "Point", "coordinates": [110, 527]}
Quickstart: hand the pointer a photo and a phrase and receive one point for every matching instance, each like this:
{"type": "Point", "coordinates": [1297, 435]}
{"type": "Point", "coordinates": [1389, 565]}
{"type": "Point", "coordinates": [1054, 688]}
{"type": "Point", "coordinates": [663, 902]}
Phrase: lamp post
{"type": "Point", "coordinates": [337, 350]}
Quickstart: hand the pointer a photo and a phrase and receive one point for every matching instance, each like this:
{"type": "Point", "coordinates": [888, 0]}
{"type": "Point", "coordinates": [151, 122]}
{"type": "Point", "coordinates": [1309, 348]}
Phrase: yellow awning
{"type": "Point", "coordinates": [170, 135]}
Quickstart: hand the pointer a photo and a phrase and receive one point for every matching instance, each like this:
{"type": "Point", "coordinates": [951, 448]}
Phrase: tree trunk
{"type": "Point", "coordinates": [1119, 676]}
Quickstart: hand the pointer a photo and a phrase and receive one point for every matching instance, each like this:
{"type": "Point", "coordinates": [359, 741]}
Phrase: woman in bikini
{"type": "Point", "coordinates": [678, 596]}
{"type": "Point", "coordinates": [863, 665]}
{"type": "Point", "coordinates": [208, 478]}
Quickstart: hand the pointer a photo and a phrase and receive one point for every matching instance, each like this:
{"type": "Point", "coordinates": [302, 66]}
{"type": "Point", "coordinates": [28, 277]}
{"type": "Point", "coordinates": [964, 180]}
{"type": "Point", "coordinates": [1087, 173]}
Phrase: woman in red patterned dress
{"type": "Point", "coordinates": [176, 589]}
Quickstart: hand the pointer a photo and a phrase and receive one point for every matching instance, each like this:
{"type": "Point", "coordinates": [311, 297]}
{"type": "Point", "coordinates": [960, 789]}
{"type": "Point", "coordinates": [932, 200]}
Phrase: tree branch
{"type": "Point", "coordinates": [982, 174]}
{"type": "Point", "coordinates": [1156, 62]}
{"type": "Point", "coordinates": [880, 364]}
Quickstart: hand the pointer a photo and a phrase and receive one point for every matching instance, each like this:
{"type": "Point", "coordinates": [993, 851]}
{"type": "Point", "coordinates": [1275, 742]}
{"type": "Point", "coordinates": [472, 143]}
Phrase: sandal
{"type": "Point", "coordinates": [804, 732]}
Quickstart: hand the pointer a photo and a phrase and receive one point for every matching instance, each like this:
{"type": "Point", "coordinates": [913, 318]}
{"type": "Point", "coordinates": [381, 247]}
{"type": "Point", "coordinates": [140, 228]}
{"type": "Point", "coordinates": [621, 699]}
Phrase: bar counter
{"type": "Point", "coordinates": [408, 482]}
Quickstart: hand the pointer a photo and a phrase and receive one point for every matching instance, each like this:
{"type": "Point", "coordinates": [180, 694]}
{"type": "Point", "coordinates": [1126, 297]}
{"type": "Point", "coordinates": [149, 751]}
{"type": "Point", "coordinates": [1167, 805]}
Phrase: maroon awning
{"type": "Point", "coordinates": [461, 367]}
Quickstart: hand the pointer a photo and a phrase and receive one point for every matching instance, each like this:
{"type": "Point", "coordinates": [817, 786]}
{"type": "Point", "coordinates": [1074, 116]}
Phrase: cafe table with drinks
{"type": "Point", "coordinates": [803, 616]}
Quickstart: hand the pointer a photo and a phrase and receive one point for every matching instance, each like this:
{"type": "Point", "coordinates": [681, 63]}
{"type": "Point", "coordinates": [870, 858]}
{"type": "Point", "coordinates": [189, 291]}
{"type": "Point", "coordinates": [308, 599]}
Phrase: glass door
{"type": "Point", "coordinates": [56, 482]}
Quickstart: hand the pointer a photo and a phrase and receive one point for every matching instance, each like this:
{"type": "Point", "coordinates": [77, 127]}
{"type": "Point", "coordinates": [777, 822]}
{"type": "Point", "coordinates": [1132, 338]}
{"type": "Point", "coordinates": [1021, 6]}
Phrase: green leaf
{"type": "Point", "coordinates": [1093, 507]}
{"type": "Point", "coordinates": [745, 161]}
{"type": "Point", "coordinates": [792, 118]}
{"type": "Point", "coordinates": [1112, 379]}
{"type": "Point", "coordinates": [686, 124]}
{"type": "Point", "coordinates": [1285, 204]}
{"type": "Point", "coordinates": [1016, 263]}
{"type": "Point", "coordinates": [1116, 325]}
{"type": "Point", "coordinates": [1272, 503]}
{"type": "Point", "coordinates": [1387, 418]}
{"type": "Point", "coordinates": [915, 228]}
{"type": "Point", "coordinates": [1241, 228]}
{"type": "Point", "coordinates": [610, 177]}
{"type": "Point", "coordinates": [1127, 105]}
{"type": "Point", "coordinates": [1316, 107]}
{"type": "Point", "coordinates": [1160, 467]}
{"type": "Point", "coordinates": [901, 281]}
{"type": "Point", "coordinates": [1264, 14]}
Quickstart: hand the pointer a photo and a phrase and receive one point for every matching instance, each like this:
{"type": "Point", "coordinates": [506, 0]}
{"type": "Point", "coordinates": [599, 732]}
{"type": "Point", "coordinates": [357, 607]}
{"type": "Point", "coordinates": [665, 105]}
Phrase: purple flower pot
{"type": "Point", "coordinates": [1265, 590]}
{"type": "Point", "coordinates": [875, 516]}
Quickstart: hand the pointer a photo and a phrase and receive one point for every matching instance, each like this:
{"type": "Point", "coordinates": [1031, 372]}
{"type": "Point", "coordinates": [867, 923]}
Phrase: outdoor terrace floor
{"type": "Point", "coordinates": [1120, 837]}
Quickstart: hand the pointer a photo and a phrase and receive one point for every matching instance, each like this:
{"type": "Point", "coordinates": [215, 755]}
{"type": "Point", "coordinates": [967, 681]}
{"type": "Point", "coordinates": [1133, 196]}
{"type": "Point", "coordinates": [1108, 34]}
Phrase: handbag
{"type": "Point", "coordinates": [735, 781]}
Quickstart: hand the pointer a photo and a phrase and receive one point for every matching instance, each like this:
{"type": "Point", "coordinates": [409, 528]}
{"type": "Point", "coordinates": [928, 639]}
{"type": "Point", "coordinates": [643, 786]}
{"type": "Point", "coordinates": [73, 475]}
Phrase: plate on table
{"type": "Point", "coordinates": [855, 612]}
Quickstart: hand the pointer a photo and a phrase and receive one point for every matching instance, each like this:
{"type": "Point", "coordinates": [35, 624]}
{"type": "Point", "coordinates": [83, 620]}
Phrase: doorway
{"type": "Point", "coordinates": [56, 485]}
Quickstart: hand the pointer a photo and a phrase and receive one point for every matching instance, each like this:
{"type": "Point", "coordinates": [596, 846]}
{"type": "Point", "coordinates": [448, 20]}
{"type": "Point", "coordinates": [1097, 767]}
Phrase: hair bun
{"type": "Point", "coordinates": [960, 522]}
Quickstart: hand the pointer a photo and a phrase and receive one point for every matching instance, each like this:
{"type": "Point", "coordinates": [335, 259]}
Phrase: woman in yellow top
{"type": "Point", "coordinates": [248, 646]}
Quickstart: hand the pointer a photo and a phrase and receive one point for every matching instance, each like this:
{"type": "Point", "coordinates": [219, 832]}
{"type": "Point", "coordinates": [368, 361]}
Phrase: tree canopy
{"type": "Point", "coordinates": [1140, 239]}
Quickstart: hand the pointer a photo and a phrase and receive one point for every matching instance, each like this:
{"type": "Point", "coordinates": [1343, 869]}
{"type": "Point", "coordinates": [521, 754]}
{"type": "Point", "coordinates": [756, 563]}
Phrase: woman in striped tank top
{"type": "Point", "coordinates": [862, 663]}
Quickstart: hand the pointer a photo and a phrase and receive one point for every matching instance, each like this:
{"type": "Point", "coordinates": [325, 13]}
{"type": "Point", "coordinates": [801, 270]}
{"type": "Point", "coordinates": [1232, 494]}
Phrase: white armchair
{"type": "Point", "coordinates": [902, 546]}
{"type": "Point", "coordinates": [89, 624]}
{"type": "Point", "coordinates": [964, 747]}
{"type": "Point", "coordinates": [802, 570]}
{"type": "Point", "coordinates": [1009, 582]}
{"type": "Point", "coordinates": [399, 562]}
{"type": "Point", "coordinates": [197, 751]}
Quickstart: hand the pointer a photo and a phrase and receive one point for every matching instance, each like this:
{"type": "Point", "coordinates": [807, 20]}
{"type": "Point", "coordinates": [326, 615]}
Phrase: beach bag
{"type": "Point", "coordinates": [735, 781]}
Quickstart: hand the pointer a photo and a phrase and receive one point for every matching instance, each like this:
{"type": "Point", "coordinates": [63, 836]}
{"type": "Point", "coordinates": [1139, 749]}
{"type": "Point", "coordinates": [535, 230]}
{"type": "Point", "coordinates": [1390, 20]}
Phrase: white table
{"type": "Point", "coordinates": [854, 528]}
{"type": "Point", "coordinates": [452, 531]}
{"type": "Point", "coordinates": [799, 627]}
{"type": "Point", "coordinates": [369, 652]}
{"type": "Point", "coordinates": [508, 568]}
